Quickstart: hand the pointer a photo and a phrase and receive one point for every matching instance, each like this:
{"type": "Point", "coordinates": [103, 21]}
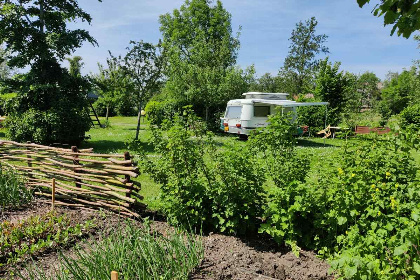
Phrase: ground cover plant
{"type": "Point", "coordinates": [13, 192]}
{"type": "Point", "coordinates": [25, 238]}
{"type": "Point", "coordinates": [135, 252]}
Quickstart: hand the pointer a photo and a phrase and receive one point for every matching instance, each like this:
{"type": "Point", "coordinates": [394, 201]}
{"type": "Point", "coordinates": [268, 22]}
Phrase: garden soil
{"type": "Point", "coordinates": [225, 257]}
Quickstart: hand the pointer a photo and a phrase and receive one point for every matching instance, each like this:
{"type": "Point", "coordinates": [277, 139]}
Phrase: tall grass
{"type": "Point", "coordinates": [13, 192]}
{"type": "Point", "coordinates": [134, 252]}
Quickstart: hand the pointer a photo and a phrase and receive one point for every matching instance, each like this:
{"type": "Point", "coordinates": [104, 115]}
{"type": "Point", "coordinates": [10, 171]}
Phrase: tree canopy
{"type": "Point", "coordinates": [404, 15]}
{"type": "Point", "coordinates": [51, 104]}
{"type": "Point", "coordinates": [201, 56]}
{"type": "Point", "coordinates": [301, 62]}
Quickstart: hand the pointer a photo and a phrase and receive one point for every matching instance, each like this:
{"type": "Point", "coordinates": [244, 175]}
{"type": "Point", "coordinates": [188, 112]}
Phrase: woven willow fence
{"type": "Point", "coordinates": [82, 178]}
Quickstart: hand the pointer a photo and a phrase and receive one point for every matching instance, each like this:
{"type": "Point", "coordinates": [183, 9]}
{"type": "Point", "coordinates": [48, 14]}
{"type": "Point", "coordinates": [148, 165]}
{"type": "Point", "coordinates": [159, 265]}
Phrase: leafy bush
{"type": "Point", "coordinates": [100, 108]}
{"type": "Point", "coordinates": [49, 109]}
{"type": "Point", "coordinates": [158, 111]}
{"type": "Point", "coordinates": [275, 145]}
{"type": "Point", "coordinates": [411, 116]}
{"type": "Point", "coordinates": [136, 253]}
{"type": "Point", "coordinates": [13, 192]}
{"type": "Point", "coordinates": [362, 215]}
{"type": "Point", "coordinates": [202, 186]}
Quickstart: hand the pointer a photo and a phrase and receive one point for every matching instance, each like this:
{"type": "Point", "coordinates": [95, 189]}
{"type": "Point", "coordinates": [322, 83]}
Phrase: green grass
{"type": "Point", "coordinates": [134, 252]}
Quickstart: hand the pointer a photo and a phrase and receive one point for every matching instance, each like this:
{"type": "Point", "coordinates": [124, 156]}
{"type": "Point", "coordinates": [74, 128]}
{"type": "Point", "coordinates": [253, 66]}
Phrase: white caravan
{"type": "Point", "coordinates": [244, 115]}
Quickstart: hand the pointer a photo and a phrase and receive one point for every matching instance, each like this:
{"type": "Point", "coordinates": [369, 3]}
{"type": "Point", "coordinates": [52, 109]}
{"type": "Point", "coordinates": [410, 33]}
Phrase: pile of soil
{"type": "Point", "coordinates": [225, 257]}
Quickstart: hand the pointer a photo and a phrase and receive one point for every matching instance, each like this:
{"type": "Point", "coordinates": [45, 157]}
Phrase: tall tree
{"type": "Point", "coordinates": [404, 15]}
{"type": "Point", "coordinates": [301, 62]}
{"type": "Point", "coordinates": [201, 53]}
{"type": "Point", "coordinates": [143, 64]}
{"type": "Point", "coordinates": [51, 105]}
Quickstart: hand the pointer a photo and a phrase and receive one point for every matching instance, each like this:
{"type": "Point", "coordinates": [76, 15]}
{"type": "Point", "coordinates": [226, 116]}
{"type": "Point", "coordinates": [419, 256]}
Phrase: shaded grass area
{"type": "Point", "coordinates": [132, 251]}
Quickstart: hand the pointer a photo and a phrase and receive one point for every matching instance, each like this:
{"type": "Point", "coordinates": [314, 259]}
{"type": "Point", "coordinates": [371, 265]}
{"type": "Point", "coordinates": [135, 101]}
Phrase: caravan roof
{"type": "Point", "coordinates": [283, 103]}
{"type": "Point", "coordinates": [265, 95]}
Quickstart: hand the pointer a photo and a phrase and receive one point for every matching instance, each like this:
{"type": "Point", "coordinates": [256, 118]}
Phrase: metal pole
{"type": "Point", "coordinates": [326, 115]}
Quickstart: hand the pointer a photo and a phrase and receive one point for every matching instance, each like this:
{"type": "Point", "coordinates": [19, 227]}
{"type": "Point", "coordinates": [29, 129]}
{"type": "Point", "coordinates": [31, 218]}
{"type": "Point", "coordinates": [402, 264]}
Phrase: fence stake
{"type": "Point", "coordinates": [76, 162]}
{"type": "Point", "coordinates": [127, 177]}
{"type": "Point", "coordinates": [114, 275]}
{"type": "Point", "coordinates": [53, 194]}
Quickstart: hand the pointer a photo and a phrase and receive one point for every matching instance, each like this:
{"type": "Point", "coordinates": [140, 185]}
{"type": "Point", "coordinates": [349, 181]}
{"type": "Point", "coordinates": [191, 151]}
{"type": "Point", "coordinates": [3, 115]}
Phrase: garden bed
{"type": "Point", "coordinates": [225, 257]}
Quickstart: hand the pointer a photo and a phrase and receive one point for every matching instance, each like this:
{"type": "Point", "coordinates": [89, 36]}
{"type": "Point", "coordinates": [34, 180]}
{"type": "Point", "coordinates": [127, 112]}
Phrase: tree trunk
{"type": "Point", "coordinates": [107, 112]}
{"type": "Point", "coordinates": [138, 122]}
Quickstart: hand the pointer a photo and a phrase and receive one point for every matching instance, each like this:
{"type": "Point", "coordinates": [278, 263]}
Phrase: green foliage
{"type": "Point", "coordinates": [411, 116]}
{"type": "Point", "coordinates": [300, 64]}
{"type": "Point", "coordinates": [76, 65]}
{"type": "Point", "coordinates": [362, 215]}
{"type": "Point", "coordinates": [13, 192]}
{"type": "Point", "coordinates": [135, 252]}
{"type": "Point", "coordinates": [35, 234]}
{"type": "Point", "coordinates": [331, 86]}
{"type": "Point", "coordinates": [398, 92]}
{"type": "Point", "coordinates": [201, 55]}
{"type": "Point", "coordinates": [35, 34]}
{"type": "Point", "coordinates": [202, 186]}
{"type": "Point", "coordinates": [403, 14]}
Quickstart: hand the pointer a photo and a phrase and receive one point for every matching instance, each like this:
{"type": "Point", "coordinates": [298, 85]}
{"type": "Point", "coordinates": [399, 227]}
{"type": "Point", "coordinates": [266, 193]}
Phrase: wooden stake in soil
{"type": "Point", "coordinates": [53, 194]}
{"type": "Point", "coordinates": [114, 275]}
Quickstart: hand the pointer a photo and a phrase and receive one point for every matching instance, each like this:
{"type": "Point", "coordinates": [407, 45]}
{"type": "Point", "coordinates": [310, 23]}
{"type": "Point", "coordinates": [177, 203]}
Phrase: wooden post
{"type": "Point", "coordinates": [53, 194]}
{"type": "Point", "coordinates": [76, 162]}
{"type": "Point", "coordinates": [127, 177]}
{"type": "Point", "coordinates": [29, 161]}
{"type": "Point", "coordinates": [114, 275]}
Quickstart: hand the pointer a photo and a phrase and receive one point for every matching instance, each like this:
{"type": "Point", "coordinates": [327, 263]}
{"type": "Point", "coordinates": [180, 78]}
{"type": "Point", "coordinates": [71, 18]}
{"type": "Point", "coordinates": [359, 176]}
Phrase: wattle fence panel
{"type": "Point", "coordinates": [82, 178]}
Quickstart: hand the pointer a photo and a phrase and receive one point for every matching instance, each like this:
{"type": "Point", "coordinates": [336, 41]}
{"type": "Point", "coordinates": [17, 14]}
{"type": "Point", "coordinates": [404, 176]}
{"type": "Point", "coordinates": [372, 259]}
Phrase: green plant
{"type": "Point", "coordinates": [13, 192]}
{"type": "Point", "coordinates": [410, 116]}
{"type": "Point", "coordinates": [135, 252]}
{"type": "Point", "coordinates": [202, 186]}
{"type": "Point", "coordinates": [28, 237]}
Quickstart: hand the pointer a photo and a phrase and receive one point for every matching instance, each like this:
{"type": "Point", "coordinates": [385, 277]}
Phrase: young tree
{"type": "Point", "coordinates": [51, 105]}
{"type": "Point", "coordinates": [301, 62]}
{"type": "Point", "coordinates": [201, 54]}
{"type": "Point", "coordinates": [76, 65]}
{"type": "Point", "coordinates": [367, 86]}
{"type": "Point", "coordinates": [403, 14]}
{"type": "Point", "coordinates": [112, 83]}
{"type": "Point", "coordinates": [143, 64]}
{"type": "Point", "coordinates": [331, 86]}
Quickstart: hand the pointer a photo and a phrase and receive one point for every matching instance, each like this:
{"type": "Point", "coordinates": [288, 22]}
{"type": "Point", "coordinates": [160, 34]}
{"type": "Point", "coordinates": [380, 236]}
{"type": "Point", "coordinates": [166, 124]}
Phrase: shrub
{"type": "Point", "coordinates": [202, 186]}
{"type": "Point", "coordinates": [100, 108]}
{"type": "Point", "coordinates": [13, 192]}
{"type": "Point", "coordinates": [158, 111]}
{"type": "Point", "coordinates": [362, 215]}
{"type": "Point", "coordinates": [411, 116]}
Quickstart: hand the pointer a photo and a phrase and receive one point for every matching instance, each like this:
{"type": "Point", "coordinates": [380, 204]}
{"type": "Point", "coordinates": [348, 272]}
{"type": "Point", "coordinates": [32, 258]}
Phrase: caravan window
{"type": "Point", "coordinates": [233, 112]}
{"type": "Point", "coordinates": [261, 111]}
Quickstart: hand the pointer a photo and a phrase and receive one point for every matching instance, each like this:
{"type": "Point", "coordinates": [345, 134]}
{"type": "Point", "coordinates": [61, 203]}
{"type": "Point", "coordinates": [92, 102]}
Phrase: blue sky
{"type": "Point", "coordinates": [355, 37]}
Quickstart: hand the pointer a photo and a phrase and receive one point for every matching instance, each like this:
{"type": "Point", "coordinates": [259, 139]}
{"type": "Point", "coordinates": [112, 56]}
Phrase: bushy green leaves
{"type": "Point", "coordinates": [202, 186]}
{"type": "Point", "coordinates": [13, 192]}
{"type": "Point", "coordinates": [403, 14]}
